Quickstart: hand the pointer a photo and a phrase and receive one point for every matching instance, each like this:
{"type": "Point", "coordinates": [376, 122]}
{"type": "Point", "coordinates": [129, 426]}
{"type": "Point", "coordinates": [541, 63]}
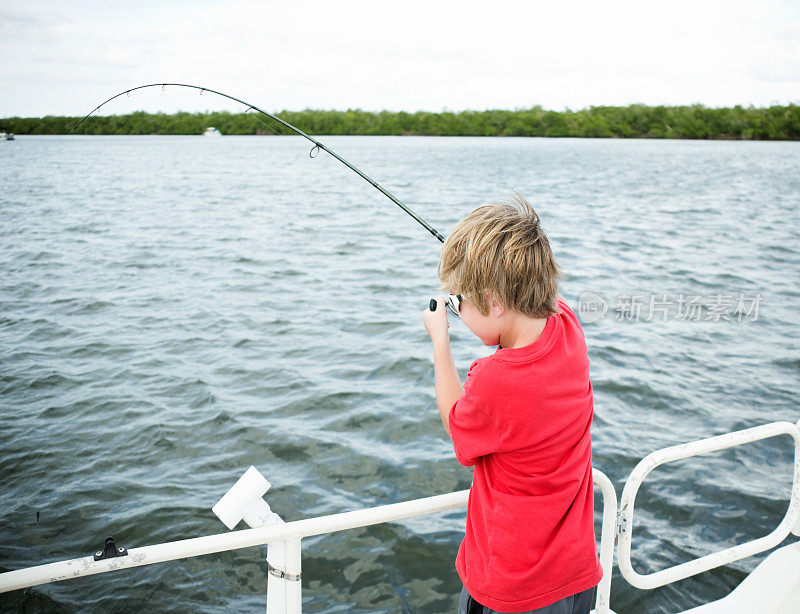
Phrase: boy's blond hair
{"type": "Point", "coordinates": [502, 248]}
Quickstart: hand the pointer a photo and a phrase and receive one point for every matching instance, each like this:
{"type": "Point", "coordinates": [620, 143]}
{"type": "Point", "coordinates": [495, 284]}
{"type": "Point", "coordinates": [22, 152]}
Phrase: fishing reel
{"type": "Point", "coordinates": [453, 301]}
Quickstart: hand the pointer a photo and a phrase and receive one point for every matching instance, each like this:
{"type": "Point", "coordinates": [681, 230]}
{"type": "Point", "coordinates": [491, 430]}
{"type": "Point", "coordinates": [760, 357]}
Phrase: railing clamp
{"type": "Point", "coordinates": [279, 573]}
{"type": "Point", "coordinates": [110, 551]}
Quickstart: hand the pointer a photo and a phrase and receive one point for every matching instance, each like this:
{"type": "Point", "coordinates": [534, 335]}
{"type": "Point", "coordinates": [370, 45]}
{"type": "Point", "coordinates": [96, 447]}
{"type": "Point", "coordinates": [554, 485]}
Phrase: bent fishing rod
{"type": "Point", "coordinates": [317, 145]}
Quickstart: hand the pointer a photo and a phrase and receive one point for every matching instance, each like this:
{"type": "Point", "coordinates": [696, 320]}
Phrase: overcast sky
{"type": "Point", "coordinates": [63, 58]}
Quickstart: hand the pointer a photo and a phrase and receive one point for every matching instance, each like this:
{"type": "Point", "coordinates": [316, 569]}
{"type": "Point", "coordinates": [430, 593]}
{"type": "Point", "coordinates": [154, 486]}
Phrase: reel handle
{"type": "Point", "coordinates": [432, 305]}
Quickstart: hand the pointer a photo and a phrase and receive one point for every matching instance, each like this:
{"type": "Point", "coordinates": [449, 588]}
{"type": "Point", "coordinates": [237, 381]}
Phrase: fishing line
{"type": "Point", "coordinates": [312, 154]}
{"type": "Point", "coordinates": [263, 122]}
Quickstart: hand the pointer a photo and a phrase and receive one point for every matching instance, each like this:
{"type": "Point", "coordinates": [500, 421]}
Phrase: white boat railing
{"type": "Point", "coordinates": [288, 536]}
{"type": "Point", "coordinates": [290, 532]}
{"type": "Point", "coordinates": [788, 525]}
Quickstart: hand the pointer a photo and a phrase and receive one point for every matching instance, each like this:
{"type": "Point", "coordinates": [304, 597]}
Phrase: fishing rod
{"type": "Point", "coordinates": [317, 145]}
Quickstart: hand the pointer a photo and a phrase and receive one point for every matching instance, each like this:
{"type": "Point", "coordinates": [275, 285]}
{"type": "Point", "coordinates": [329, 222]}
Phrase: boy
{"type": "Point", "coordinates": [521, 419]}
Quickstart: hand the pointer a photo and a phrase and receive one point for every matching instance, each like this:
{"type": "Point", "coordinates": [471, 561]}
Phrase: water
{"type": "Point", "coordinates": [175, 309]}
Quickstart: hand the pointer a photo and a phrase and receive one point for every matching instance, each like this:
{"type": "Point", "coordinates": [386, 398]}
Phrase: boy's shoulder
{"type": "Point", "coordinates": [564, 307]}
{"type": "Point", "coordinates": [484, 375]}
{"type": "Point", "coordinates": [481, 367]}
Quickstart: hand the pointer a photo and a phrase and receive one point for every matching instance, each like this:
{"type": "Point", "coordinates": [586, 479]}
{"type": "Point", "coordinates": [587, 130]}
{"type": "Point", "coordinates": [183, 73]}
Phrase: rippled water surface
{"type": "Point", "coordinates": [175, 309]}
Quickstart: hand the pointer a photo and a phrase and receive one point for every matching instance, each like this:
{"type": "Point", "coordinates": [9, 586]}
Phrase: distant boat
{"type": "Point", "coordinates": [212, 132]}
{"type": "Point", "coordinates": [6, 136]}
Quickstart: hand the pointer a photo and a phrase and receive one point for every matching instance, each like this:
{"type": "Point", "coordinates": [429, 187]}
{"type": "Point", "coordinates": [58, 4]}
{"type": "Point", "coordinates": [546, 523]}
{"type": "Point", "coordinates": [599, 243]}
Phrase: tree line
{"type": "Point", "coordinates": [633, 121]}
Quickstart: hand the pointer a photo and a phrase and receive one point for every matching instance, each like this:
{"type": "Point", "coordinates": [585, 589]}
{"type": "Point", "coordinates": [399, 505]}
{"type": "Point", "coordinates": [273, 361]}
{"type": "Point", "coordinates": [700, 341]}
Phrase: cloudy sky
{"type": "Point", "coordinates": [63, 58]}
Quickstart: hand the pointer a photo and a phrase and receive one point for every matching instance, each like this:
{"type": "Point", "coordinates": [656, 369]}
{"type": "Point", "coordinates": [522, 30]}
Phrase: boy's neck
{"type": "Point", "coordinates": [520, 330]}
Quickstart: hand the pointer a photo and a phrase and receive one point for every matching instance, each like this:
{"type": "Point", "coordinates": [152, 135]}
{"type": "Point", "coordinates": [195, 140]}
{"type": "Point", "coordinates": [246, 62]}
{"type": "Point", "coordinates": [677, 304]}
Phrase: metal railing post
{"type": "Point", "coordinates": [294, 589]}
{"type": "Point", "coordinates": [795, 485]}
{"type": "Point", "coordinates": [276, 586]}
{"type": "Point", "coordinates": [607, 536]}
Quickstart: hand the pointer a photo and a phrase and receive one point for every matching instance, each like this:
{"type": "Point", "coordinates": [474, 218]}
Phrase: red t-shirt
{"type": "Point", "coordinates": [523, 422]}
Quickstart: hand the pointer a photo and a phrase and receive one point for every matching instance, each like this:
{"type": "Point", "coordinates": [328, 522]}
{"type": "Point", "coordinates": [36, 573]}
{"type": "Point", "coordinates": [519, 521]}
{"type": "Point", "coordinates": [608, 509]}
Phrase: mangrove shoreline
{"type": "Point", "coordinates": [633, 121]}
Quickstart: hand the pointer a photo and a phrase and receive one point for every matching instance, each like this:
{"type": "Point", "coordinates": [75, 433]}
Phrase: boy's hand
{"type": "Point", "coordinates": [436, 321]}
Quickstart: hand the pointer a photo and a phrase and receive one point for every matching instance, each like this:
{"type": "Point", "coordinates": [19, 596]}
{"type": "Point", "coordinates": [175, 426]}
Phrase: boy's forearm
{"type": "Point", "coordinates": [448, 383]}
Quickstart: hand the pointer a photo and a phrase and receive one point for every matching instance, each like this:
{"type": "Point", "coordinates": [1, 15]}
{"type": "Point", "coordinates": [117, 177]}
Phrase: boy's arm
{"type": "Point", "coordinates": [448, 383]}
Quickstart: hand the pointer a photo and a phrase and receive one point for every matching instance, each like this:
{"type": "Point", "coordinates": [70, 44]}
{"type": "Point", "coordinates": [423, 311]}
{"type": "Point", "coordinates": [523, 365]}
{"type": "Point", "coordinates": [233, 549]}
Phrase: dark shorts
{"type": "Point", "coordinates": [579, 603]}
